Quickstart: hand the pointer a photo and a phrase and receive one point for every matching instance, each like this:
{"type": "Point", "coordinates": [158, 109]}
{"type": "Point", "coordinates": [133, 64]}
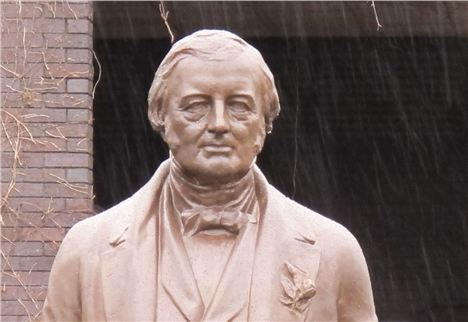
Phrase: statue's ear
{"type": "Point", "coordinates": [156, 117]}
{"type": "Point", "coordinates": [260, 141]}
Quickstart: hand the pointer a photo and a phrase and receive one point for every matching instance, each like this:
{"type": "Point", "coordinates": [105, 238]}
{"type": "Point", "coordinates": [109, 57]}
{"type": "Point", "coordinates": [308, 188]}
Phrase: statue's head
{"type": "Point", "coordinates": [213, 99]}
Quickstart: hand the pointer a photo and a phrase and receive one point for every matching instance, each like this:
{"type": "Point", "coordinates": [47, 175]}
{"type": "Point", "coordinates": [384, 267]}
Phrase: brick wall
{"type": "Point", "coordinates": [46, 137]}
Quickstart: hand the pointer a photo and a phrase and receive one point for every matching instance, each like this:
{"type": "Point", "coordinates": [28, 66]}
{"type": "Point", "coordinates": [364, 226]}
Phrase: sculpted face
{"type": "Point", "coordinates": [214, 118]}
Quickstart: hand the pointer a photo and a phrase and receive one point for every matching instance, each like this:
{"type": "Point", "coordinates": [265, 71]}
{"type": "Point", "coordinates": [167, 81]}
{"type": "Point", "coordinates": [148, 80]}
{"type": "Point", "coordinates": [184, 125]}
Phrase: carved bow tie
{"type": "Point", "coordinates": [200, 219]}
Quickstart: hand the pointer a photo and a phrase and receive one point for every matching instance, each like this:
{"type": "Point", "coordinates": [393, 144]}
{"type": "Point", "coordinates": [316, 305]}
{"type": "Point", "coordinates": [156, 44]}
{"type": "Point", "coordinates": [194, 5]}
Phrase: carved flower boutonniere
{"type": "Point", "coordinates": [298, 289]}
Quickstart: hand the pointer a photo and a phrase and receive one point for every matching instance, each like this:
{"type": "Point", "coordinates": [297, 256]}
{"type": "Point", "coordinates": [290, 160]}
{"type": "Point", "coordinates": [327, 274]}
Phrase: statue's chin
{"type": "Point", "coordinates": [212, 168]}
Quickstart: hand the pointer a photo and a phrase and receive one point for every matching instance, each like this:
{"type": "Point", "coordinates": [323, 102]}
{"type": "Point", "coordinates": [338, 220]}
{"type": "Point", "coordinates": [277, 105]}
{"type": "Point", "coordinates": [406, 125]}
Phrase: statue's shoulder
{"type": "Point", "coordinates": [94, 232]}
{"type": "Point", "coordinates": [97, 230]}
{"type": "Point", "coordinates": [310, 222]}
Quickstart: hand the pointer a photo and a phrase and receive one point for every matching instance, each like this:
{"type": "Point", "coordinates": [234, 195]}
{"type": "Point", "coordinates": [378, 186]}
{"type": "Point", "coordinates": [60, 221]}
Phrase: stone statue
{"type": "Point", "coordinates": [207, 238]}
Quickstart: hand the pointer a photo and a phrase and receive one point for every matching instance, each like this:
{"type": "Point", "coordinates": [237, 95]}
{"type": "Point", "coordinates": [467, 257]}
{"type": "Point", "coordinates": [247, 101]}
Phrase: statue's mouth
{"type": "Point", "coordinates": [217, 148]}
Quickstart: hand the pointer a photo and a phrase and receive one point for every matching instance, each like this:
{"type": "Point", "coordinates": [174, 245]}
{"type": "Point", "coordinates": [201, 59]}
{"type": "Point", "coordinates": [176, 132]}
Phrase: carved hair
{"type": "Point", "coordinates": [213, 45]}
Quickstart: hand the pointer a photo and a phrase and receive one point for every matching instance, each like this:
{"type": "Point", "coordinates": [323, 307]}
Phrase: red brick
{"type": "Point", "coordinates": [46, 130]}
{"type": "Point", "coordinates": [7, 189]}
{"type": "Point", "coordinates": [9, 55]}
{"type": "Point", "coordinates": [39, 115]}
{"type": "Point", "coordinates": [13, 39]}
{"type": "Point", "coordinates": [26, 189]}
{"type": "Point", "coordinates": [46, 145]}
{"type": "Point", "coordinates": [85, 205]}
{"type": "Point", "coordinates": [31, 279]}
{"type": "Point", "coordinates": [36, 86]}
{"type": "Point", "coordinates": [37, 293]}
{"type": "Point", "coordinates": [39, 129]}
{"type": "Point", "coordinates": [68, 190]}
{"type": "Point", "coordinates": [30, 159]}
{"type": "Point", "coordinates": [30, 99]}
{"type": "Point", "coordinates": [6, 172]}
{"type": "Point", "coordinates": [23, 70]}
{"type": "Point", "coordinates": [15, 318]}
{"type": "Point", "coordinates": [30, 263]}
{"type": "Point", "coordinates": [36, 204]}
{"type": "Point", "coordinates": [17, 308]}
{"type": "Point", "coordinates": [45, 204]}
{"type": "Point", "coordinates": [36, 25]}
{"type": "Point", "coordinates": [28, 10]}
{"type": "Point", "coordinates": [78, 130]}
{"type": "Point", "coordinates": [11, 26]}
{"type": "Point", "coordinates": [80, 145]}
{"type": "Point", "coordinates": [52, 220]}
{"type": "Point", "coordinates": [68, 40]}
{"type": "Point", "coordinates": [80, 175]}
{"type": "Point", "coordinates": [79, 115]}
{"type": "Point", "coordinates": [13, 220]}
{"type": "Point", "coordinates": [33, 234]}
{"type": "Point", "coordinates": [65, 100]}
{"type": "Point", "coordinates": [51, 249]}
{"type": "Point", "coordinates": [49, 55]}
{"type": "Point", "coordinates": [40, 175]}
{"type": "Point", "coordinates": [79, 56]}
{"type": "Point", "coordinates": [69, 70]}
{"type": "Point", "coordinates": [49, 25]}
{"type": "Point", "coordinates": [30, 175]}
{"type": "Point", "coordinates": [49, 85]}
{"type": "Point", "coordinates": [52, 55]}
{"type": "Point", "coordinates": [76, 160]}
{"type": "Point", "coordinates": [79, 26]}
{"type": "Point", "coordinates": [11, 84]}
{"type": "Point", "coordinates": [69, 10]}
{"type": "Point", "coordinates": [23, 248]}
{"type": "Point", "coordinates": [79, 85]}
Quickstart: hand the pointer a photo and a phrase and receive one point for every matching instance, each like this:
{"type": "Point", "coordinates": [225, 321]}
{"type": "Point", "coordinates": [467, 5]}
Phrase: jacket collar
{"type": "Point", "coordinates": [279, 241]}
{"type": "Point", "coordinates": [139, 208]}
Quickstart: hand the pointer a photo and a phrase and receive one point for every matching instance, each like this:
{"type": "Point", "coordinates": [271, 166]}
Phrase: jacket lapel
{"type": "Point", "coordinates": [129, 280]}
{"type": "Point", "coordinates": [279, 243]}
{"type": "Point", "coordinates": [177, 275]}
{"type": "Point", "coordinates": [128, 267]}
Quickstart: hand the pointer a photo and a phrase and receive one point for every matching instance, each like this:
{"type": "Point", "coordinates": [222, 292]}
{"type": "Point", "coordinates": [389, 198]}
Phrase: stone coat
{"type": "Point", "coordinates": [107, 269]}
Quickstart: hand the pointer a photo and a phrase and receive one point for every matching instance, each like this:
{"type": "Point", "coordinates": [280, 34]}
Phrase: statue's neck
{"type": "Point", "coordinates": [187, 194]}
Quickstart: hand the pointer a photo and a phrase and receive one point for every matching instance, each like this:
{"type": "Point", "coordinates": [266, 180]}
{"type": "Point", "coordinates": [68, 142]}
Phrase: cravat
{"type": "Point", "coordinates": [200, 219]}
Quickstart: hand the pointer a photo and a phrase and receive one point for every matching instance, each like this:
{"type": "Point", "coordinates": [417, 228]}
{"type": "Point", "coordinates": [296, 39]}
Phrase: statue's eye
{"type": "Point", "coordinates": [197, 107]}
{"type": "Point", "coordinates": [238, 107]}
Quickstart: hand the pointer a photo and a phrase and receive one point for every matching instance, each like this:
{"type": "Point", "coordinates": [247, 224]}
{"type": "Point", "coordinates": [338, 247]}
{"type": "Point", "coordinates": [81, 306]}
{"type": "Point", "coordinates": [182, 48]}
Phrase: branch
{"type": "Point", "coordinates": [165, 15]}
{"type": "Point", "coordinates": [376, 16]}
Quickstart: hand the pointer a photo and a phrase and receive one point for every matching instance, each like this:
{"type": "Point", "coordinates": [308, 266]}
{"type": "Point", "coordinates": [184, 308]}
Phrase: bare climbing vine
{"type": "Point", "coordinates": [27, 80]}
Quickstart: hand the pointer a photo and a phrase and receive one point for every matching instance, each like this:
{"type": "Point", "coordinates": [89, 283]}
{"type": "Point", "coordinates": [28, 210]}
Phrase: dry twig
{"type": "Point", "coordinates": [165, 15]}
{"type": "Point", "coordinates": [376, 16]}
{"type": "Point", "coordinates": [99, 74]}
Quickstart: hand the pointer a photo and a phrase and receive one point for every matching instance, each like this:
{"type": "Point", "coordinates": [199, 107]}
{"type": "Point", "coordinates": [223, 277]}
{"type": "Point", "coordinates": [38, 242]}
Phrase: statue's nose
{"type": "Point", "coordinates": [218, 120]}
